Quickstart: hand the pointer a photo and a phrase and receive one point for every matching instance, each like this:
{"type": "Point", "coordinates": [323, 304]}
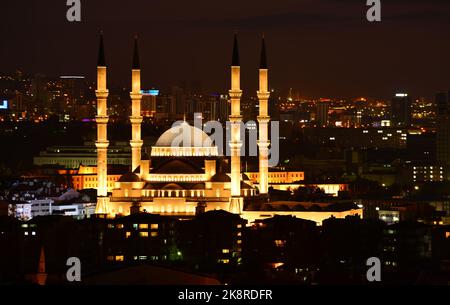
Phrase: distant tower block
{"type": "Point", "coordinates": [135, 118]}
{"type": "Point", "coordinates": [236, 201]}
{"type": "Point", "coordinates": [263, 119]}
{"type": "Point", "coordinates": [102, 140]}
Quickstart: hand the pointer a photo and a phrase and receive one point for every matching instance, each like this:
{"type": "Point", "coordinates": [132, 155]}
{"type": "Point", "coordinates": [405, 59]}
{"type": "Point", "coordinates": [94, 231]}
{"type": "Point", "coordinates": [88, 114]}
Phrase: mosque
{"type": "Point", "coordinates": [181, 177]}
{"type": "Point", "coordinates": [184, 173]}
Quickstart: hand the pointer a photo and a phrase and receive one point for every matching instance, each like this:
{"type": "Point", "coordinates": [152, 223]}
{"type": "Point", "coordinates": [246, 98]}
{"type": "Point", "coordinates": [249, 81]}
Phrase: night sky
{"type": "Point", "coordinates": [320, 48]}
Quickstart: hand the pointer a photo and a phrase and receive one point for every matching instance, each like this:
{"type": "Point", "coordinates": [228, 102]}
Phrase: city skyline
{"type": "Point", "coordinates": [319, 49]}
{"type": "Point", "coordinates": [302, 142]}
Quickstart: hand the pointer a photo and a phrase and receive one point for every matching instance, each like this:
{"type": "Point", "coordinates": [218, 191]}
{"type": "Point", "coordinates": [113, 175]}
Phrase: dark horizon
{"type": "Point", "coordinates": [319, 48]}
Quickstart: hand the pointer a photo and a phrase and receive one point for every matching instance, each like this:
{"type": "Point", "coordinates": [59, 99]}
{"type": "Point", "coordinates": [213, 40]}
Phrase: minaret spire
{"type": "Point", "coordinates": [235, 59]}
{"type": "Point", "coordinates": [135, 117]}
{"type": "Point", "coordinates": [41, 267]}
{"type": "Point", "coordinates": [236, 202]}
{"type": "Point", "coordinates": [101, 62]}
{"type": "Point", "coordinates": [136, 63]}
{"type": "Point", "coordinates": [40, 277]}
{"type": "Point", "coordinates": [263, 120]}
{"type": "Point", "coordinates": [102, 139]}
{"type": "Point", "coordinates": [263, 61]}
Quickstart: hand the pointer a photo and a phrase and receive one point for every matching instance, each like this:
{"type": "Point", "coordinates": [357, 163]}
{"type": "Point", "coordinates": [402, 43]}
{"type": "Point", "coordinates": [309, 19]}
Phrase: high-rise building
{"type": "Point", "coordinates": [39, 90]}
{"type": "Point", "coordinates": [443, 127]}
{"type": "Point", "coordinates": [322, 113]}
{"type": "Point", "coordinates": [178, 102]}
{"type": "Point", "coordinates": [210, 108]}
{"type": "Point", "coordinates": [149, 98]}
{"type": "Point", "coordinates": [223, 109]}
{"type": "Point", "coordinates": [401, 110]}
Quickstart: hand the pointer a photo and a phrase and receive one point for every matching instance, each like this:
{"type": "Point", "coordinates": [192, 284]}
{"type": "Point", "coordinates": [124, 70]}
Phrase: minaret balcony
{"type": "Point", "coordinates": [263, 95]}
{"type": "Point", "coordinates": [102, 94]}
{"type": "Point", "coordinates": [263, 118]}
{"type": "Point", "coordinates": [235, 94]}
{"type": "Point", "coordinates": [136, 119]}
{"type": "Point", "coordinates": [135, 95]}
{"type": "Point", "coordinates": [101, 144]}
{"type": "Point", "coordinates": [263, 144]}
{"type": "Point", "coordinates": [136, 143]}
{"type": "Point", "coordinates": [101, 119]}
{"type": "Point", "coordinates": [235, 118]}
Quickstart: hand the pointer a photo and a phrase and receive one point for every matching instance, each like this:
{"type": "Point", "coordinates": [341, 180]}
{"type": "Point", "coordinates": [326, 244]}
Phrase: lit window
{"type": "Point", "coordinates": [119, 226]}
{"type": "Point", "coordinates": [223, 261]}
{"type": "Point", "coordinates": [280, 243]}
{"type": "Point", "coordinates": [25, 233]}
{"type": "Point", "coordinates": [127, 234]}
{"type": "Point", "coordinates": [143, 226]}
{"type": "Point", "coordinates": [143, 234]}
{"type": "Point", "coordinates": [119, 258]}
{"type": "Point", "coordinates": [154, 226]}
{"type": "Point", "coordinates": [447, 234]}
{"type": "Point", "coordinates": [225, 250]}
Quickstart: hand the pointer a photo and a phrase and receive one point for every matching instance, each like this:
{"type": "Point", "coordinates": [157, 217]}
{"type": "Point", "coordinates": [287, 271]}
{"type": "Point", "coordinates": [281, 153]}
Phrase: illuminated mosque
{"type": "Point", "coordinates": [181, 178]}
{"type": "Point", "coordinates": [184, 173]}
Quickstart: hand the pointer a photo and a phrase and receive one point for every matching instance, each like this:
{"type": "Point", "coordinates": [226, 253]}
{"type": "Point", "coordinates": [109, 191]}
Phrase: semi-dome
{"type": "Point", "coordinates": [184, 140]}
{"type": "Point", "coordinates": [129, 177]}
{"type": "Point", "coordinates": [220, 177]}
{"type": "Point", "coordinates": [172, 186]}
{"type": "Point", "coordinates": [177, 166]}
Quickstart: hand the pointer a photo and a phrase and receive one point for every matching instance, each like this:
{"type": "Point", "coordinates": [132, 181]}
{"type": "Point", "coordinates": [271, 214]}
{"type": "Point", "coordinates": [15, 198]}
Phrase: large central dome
{"type": "Point", "coordinates": [184, 140]}
{"type": "Point", "coordinates": [184, 135]}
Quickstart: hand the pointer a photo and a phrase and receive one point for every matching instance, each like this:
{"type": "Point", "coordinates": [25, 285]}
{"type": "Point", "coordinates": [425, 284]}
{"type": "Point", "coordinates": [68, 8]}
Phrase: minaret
{"type": "Point", "coordinates": [235, 121]}
{"type": "Point", "coordinates": [41, 276]}
{"type": "Point", "coordinates": [102, 139]}
{"type": "Point", "coordinates": [135, 117]}
{"type": "Point", "coordinates": [263, 120]}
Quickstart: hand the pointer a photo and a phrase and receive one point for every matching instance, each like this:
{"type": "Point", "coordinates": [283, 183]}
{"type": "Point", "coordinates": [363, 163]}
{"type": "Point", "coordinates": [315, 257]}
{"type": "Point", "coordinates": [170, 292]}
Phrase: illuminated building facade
{"type": "Point", "coordinates": [70, 157]}
{"type": "Point", "coordinates": [401, 110]}
{"type": "Point", "coordinates": [184, 174]}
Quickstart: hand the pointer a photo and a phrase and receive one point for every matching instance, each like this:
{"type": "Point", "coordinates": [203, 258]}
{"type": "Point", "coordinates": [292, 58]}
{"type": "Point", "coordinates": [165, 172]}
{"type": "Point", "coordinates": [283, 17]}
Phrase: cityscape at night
{"type": "Point", "coordinates": [260, 143]}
